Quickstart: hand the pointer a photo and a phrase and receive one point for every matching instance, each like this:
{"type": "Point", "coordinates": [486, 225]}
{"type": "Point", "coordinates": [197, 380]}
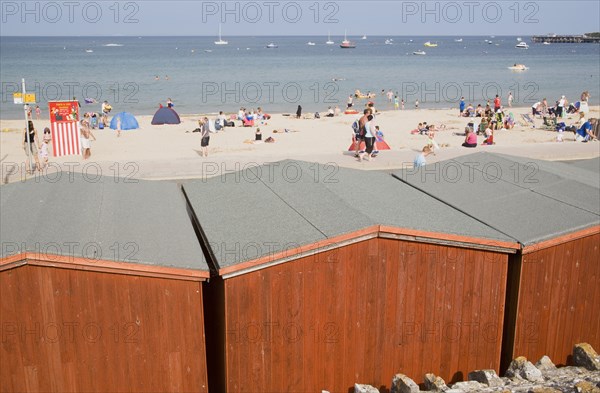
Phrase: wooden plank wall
{"type": "Point", "coordinates": [362, 313]}
{"type": "Point", "coordinates": [559, 300]}
{"type": "Point", "coordinates": [81, 331]}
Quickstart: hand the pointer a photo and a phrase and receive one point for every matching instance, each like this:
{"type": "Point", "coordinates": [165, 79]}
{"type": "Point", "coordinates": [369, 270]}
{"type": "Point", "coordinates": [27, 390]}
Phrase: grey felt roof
{"type": "Point", "coordinates": [143, 222]}
{"type": "Point", "coordinates": [530, 200]}
{"type": "Point", "coordinates": [289, 204]}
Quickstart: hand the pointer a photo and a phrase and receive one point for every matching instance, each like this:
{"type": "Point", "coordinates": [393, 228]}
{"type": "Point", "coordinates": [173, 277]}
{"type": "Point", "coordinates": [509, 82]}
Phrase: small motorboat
{"type": "Point", "coordinates": [519, 39]}
{"type": "Point", "coordinates": [522, 45]}
{"type": "Point", "coordinates": [458, 40]}
{"type": "Point", "coordinates": [89, 51]}
{"type": "Point", "coordinates": [310, 43]}
{"type": "Point", "coordinates": [389, 42]}
{"type": "Point", "coordinates": [546, 43]}
{"type": "Point", "coordinates": [419, 53]}
{"type": "Point", "coordinates": [518, 67]}
{"type": "Point", "coordinates": [364, 37]}
{"type": "Point", "coordinates": [272, 46]}
{"type": "Point", "coordinates": [430, 45]}
{"type": "Point", "coordinates": [207, 50]}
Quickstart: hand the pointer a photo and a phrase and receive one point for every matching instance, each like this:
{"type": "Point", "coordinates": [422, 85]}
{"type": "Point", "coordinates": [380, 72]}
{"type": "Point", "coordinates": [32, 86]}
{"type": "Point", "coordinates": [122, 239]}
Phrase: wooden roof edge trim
{"type": "Point", "coordinates": [449, 239]}
{"type": "Point", "coordinates": [105, 266]}
{"type": "Point", "coordinates": [299, 252]}
{"type": "Point", "coordinates": [13, 261]}
{"type": "Point", "coordinates": [561, 239]}
{"type": "Point", "coordinates": [366, 234]}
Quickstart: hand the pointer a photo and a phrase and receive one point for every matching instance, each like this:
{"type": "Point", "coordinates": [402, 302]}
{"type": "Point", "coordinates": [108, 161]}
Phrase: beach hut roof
{"type": "Point", "coordinates": [529, 200]}
{"type": "Point", "coordinates": [105, 218]}
{"type": "Point", "coordinates": [286, 207]}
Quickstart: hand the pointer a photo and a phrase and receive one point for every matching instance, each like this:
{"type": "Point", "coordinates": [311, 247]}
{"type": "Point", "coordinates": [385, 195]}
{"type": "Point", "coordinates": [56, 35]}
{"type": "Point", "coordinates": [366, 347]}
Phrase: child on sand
{"type": "Point", "coordinates": [420, 159]}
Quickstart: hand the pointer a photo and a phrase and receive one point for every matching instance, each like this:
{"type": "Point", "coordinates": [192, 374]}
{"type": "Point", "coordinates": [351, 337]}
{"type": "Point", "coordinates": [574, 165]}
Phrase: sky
{"type": "Point", "coordinates": [254, 18]}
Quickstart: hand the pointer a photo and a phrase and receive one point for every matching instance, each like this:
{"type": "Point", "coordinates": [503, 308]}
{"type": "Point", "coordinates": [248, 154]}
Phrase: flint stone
{"type": "Point", "coordinates": [586, 387]}
{"type": "Point", "coordinates": [524, 369]}
{"type": "Point", "coordinates": [403, 384]}
{"type": "Point", "coordinates": [488, 377]}
{"type": "Point", "coordinates": [585, 356]}
{"type": "Point", "coordinates": [434, 383]}
{"type": "Point", "coordinates": [358, 388]}
{"type": "Point", "coordinates": [469, 386]}
{"type": "Point", "coordinates": [544, 390]}
{"type": "Point", "coordinates": [545, 364]}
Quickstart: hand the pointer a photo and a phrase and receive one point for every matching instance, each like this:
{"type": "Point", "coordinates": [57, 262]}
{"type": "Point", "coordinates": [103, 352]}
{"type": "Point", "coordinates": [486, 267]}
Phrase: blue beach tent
{"type": "Point", "coordinates": [128, 121]}
{"type": "Point", "coordinates": [165, 116]}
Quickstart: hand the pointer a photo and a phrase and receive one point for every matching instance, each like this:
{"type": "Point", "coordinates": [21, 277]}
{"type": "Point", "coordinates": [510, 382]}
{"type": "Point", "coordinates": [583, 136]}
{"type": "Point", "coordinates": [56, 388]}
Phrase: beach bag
{"type": "Point", "coordinates": [101, 125]}
{"type": "Point", "coordinates": [356, 127]}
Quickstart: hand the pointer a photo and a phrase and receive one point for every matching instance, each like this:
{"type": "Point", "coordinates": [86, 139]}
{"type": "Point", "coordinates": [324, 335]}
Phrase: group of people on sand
{"type": "Point", "coordinates": [36, 147]}
{"type": "Point", "coordinates": [366, 131]}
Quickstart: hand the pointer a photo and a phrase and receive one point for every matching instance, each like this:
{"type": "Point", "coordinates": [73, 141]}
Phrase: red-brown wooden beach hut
{"type": "Point", "coordinates": [100, 288]}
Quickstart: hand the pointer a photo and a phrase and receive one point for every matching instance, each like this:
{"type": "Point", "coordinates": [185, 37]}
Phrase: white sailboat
{"type": "Point", "coordinates": [221, 41]}
{"type": "Point", "coordinates": [329, 42]}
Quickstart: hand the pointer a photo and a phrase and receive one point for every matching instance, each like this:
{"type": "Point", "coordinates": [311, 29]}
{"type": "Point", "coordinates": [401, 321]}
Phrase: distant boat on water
{"type": "Point", "coordinates": [430, 45]}
{"type": "Point", "coordinates": [221, 41]}
{"type": "Point", "coordinates": [458, 40]}
{"type": "Point", "coordinates": [522, 45]}
{"type": "Point", "coordinates": [89, 51]}
{"type": "Point", "coordinates": [347, 44]}
{"type": "Point", "coordinates": [310, 43]}
{"type": "Point", "coordinates": [329, 42]}
{"type": "Point", "coordinates": [419, 53]}
{"type": "Point", "coordinates": [272, 46]}
{"type": "Point", "coordinates": [518, 67]}
{"type": "Point", "coordinates": [364, 37]}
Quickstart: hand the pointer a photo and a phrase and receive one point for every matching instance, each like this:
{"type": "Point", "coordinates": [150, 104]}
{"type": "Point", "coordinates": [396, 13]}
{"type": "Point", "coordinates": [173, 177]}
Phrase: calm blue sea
{"type": "Point", "coordinates": [204, 77]}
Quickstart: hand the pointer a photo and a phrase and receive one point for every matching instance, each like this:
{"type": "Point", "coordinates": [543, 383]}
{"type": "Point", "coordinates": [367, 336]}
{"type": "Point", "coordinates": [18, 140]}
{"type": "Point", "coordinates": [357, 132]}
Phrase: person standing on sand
{"type": "Point", "coordinates": [38, 112]}
{"type": "Point", "coordinates": [461, 106]}
{"type": "Point", "coordinates": [402, 103]}
{"type": "Point", "coordinates": [30, 144]}
{"type": "Point", "coordinates": [299, 112]}
{"type": "Point", "coordinates": [361, 131]}
{"type": "Point", "coordinates": [86, 133]}
{"type": "Point", "coordinates": [510, 99]}
{"type": "Point", "coordinates": [369, 134]}
{"type": "Point", "coordinates": [416, 104]}
{"type": "Point", "coordinates": [350, 102]}
{"type": "Point", "coordinates": [497, 103]}
{"type": "Point", "coordinates": [205, 136]}
{"type": "Point", "coordinates": [396, 103]}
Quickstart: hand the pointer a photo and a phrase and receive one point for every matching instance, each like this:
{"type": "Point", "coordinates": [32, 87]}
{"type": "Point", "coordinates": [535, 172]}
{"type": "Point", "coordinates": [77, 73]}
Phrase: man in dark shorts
{"type": "Point", "coordinates": [359, 137]}
{"type": "Point", "coordinates": [205, 135]}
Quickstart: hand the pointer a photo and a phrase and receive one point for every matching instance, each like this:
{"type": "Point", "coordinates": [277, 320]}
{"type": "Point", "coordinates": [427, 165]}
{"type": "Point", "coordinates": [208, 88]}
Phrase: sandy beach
{"type": "Point", "coordinates": [173, 151]}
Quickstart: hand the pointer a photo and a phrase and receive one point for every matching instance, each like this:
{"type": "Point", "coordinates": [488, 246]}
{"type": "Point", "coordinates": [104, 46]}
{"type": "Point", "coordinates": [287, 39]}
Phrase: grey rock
{"type": "Point", "coordinates": [524, 369]}
{"type": "Point", "coordinates": [434, 383]}
{"type": "Point", "coordinates": [488, 377]}
{"type": "Point", "coordinates": [403, 384]}
{"type": "Point", "coordinates": [585, 356]}
{"type": "Point", "coordinates": [469, 386]}
{"type": "Point", "coordinates": [545, 364]}
{"type": "Point", "coordinates": [358, 388]}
